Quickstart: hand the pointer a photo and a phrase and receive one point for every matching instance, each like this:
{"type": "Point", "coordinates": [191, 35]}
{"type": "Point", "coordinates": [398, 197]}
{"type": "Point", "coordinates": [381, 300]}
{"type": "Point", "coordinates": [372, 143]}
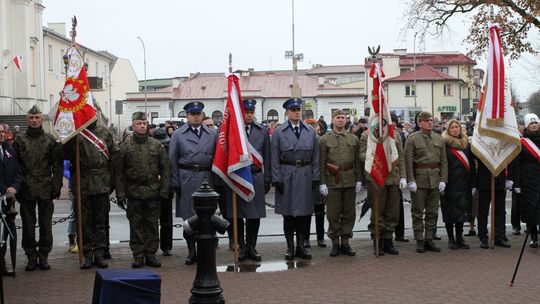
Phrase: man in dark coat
{"type": "Point", "coordinates": [256, 209]}
{"type": "Point", "coordinates": [165, 218]}
{"type": "Point", "coordinates": [40, 157]}
{"type": "Point", "coordinates": [295, 174]}
{"type": "Point", "coordinates": [10, 184]}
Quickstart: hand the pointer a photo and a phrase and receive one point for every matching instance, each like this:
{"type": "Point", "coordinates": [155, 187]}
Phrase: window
{"type": "Point", "coordinates": [97, 68]}
{"type": "Point", "coordinates": [403, 71]}
{"type": "Point", "coordinates": [182, 114]}
{"type": "Point", "coordinates": [410, 90]}
{"type": "Point", "coordinates": [63, 69]}
{"type": "Point", "coordinates": [448, 89]}
{"type": "Point", "coordinates": [50, 54]}
{"type": "Point", "coordinates": [217, 116]}
{"type": "Point", "coordinates": [272, 115]}
{"type": "Point", "coordinates": [32, 62]}
{"type": "Point", "coordinates": [443, 69]}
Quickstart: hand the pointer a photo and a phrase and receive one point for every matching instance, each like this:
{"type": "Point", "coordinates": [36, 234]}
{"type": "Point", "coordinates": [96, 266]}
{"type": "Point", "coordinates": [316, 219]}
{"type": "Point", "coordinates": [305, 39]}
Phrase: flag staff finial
{"type": "Point", "coordinates": [230, 63]}
{"type": "Point", "coordinates": [73, 32]}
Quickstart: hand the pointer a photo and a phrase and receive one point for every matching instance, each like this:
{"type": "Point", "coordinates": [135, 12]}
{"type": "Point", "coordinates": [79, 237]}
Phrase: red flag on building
{"type": "Point", "coordinates": [17, 61]}
{"type": "Point", "coordinates": [233, 155]}
{"type": "Point", "coordinates": [381, 150]}
{"type": "Point", "coordinates": [76, 106]}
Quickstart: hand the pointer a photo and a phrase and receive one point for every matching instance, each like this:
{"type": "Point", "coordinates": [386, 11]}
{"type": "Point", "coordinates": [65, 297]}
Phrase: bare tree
{"type": "Point", "coordinates": [534, 102]}
{"type": "Point", "coordinates": [516, 18]}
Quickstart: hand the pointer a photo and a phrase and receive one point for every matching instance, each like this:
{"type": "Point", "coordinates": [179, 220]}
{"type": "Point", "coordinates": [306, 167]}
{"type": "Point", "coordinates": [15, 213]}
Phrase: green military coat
{"type": "Point", "coordinates": [340, 149]}
{"type": "Point", "coordinates": [422, 150]}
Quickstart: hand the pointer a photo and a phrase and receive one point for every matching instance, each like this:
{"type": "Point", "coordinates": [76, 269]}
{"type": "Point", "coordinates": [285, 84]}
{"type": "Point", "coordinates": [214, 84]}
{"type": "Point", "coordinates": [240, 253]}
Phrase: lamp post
{"type": "Point", "coordinates": [414, 68]}
{"type": "Point", "coordinates": [144, 55]}
{"type": "Point", "coordinates": [296, 91]}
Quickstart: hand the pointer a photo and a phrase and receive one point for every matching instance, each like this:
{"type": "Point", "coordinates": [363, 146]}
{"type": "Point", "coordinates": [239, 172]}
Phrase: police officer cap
{"type": "Point", "coordinates": [194, 106]}
{"type": "Point", "coordinates": [293, 103]}
{"type": "Point", "coordinates": [424, 116]}
{"type": "Point", "coordinates": [249, 104]}
{"type": "Point", "coordinates": [338, 112]}
{"type": "Point", "coordinates": [34, 110]}
{"type": "Point", "coordinates": [138, 116]}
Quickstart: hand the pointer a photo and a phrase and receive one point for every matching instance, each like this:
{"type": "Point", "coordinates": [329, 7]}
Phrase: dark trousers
{"type": "Point", "coordinates": [399, 230]}
{"type": "Point", "coordinates": [295, 223]}
{"type": "Point", "coordinates": [484, 199]}
{"type": "Point", "coordinates": [166, 223]}
{"type": "Point", "coordinates": [143, 226]}
{"type": "Point", "coordinates": [514, 214]}
{"type": "Point", "coordinates": [28, 215]}
{"type": "Point", "coordinates": [95, 220]}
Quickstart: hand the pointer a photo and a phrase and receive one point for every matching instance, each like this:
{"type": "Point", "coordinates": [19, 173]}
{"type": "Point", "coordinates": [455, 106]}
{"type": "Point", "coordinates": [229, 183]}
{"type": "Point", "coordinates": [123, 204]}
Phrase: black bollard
{"type": "Point", "coordinates": [206, 288]}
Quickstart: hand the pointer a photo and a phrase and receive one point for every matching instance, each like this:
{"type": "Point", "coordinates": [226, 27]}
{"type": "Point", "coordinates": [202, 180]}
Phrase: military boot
{"type": "Point", "coordinates": [3, 267]}
{"type": "Point", "coordinates": [138, 261]}
{"type": "Point", "coordinates": [420, 246]}
{"type": "Point", "coordinates": [44, 262]}
{"type": "Point", "coordinates": [32, 263]}
{"type": "Point", "coordinates": [151, 260]}
{"type": "Point", "coordinates": [289, 237]}
{"type": "Point", "coordinates": [345, 248]}
{"type": "Point", "coordinates": [242, 249]}
{"type": "Point", "coordinates": [88, 261]}
{"type": "Point", "coordinates": [99, 261]}
{"type": "Point", "coordinates": [107, 254]}
{"type": "Point", "coordinates": [72, 241]}
{"type": "Point", "coordinates": [389, 247]}
{"type": "Point", "coordinates": [380, 245]}
{"type": "Point", "coordinates": [335, 248]}
{"type": "Point", "coordinates": [460, 242]}
{"type": "Point", "coordinates": [252, 232]}
{"type": "Point", "coordinates": [534, 241]}
{"type": "Point", "coordinates": [430, 246]}
{"type": "Point", "coordinates": [451, 241]}
{"type": "Point", "coordinates": [319, 226]}
{"type": "Point", "coordinates": [301, 251]}
{"type": "Point", "coordinates": [192, 251]}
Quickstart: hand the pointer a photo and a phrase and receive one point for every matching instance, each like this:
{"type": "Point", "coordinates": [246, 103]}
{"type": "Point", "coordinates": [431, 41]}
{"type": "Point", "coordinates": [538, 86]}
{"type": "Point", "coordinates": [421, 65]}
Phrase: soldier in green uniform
{"type": "Point", "coordinates": [341, 179]}
{"type": "Point", "coordinates": [98, 155]}
{"type": "Point", "coordinates": [40, 158]}
{"type": "Point", "coordinates": [143, 178]}
{"type": "Point", "coordinates": [427, 175]}
{"type": "Point", "coordinates": [388, 195]}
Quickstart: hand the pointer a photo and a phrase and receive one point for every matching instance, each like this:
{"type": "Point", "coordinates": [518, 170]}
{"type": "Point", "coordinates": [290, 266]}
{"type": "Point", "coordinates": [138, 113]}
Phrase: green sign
{"type": "Point", "coordinates": [447, 109]}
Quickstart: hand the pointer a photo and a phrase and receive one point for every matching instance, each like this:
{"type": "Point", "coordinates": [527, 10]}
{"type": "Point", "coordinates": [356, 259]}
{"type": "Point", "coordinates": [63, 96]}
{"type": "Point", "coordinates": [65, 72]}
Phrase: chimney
{"type": "Point", "coordinates": [176, 82]}
{"type": "Point", "coordinates": [58, 27]}
{"type": "Point", "coordinates": [321, 81]}
{"type": "Point", "coordinates": [400, 52]}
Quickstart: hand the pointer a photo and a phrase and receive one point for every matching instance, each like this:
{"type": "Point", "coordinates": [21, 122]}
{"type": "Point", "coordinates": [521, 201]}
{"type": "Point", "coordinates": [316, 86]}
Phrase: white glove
{"type": "Point", "coordinates": [473, 191]}
{"type": "Point", "coordinates": [442, 186]}
{"type": "Point", "coordinates": [323, 190]}
{"type": "Point", "coordinates": [403, 183]}
{"type": "Point", "coordinates": [412, 187]}
{"type": "Point", "coordinates": [517, 190]}
{"type": "Point", "coordinates": [509, 184]}
{"type": "Point", "coordinates": [358, 186]}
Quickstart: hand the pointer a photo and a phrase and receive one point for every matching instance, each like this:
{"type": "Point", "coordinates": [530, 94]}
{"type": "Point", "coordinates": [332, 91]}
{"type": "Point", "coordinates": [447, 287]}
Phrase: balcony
{"type": "Point", "coordinates": [96, 83]}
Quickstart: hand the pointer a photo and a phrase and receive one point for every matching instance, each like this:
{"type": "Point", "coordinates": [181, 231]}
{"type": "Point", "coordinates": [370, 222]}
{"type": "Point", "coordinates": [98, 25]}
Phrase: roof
{"type": "Point", "coordinates": [433, 59]}
{"type": "Point", "coordinates": [105, 54]}
{"type": "Point", "coordinates": [336, 69]}
{"type": "Point", "coordinates": [423, 73]}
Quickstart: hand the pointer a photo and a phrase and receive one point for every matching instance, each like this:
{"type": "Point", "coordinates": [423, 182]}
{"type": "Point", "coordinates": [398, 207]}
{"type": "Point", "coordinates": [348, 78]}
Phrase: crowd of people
{"type": "Point", "coordinates": [316, 169]}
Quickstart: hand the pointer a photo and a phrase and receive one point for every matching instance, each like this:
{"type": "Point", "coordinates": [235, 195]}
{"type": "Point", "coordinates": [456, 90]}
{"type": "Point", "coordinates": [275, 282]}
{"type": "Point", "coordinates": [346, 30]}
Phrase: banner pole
{"type": "Point", "coordinates": [79, 205]}
{"type": "Point", "coordinates": [235, 228]}
{"type": "Point", "coordinates": [492, 228]}
{"type": "Point", "coordinates": [376, 217]}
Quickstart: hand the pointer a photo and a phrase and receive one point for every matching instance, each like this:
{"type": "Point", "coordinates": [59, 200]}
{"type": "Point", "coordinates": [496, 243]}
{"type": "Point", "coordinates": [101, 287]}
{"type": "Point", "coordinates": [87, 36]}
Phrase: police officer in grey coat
{"type": "Point", "coordinates": [191, 153]}
{"type": "Point", "coordinates": [295, 173]}
{"type": "Point", "coordinates": [253, 211]}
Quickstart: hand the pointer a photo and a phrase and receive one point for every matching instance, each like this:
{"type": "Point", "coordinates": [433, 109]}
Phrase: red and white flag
{"type": "Point", "coordinates": [495, 139]}
{"type": "Point", "coordinates": [234, 154]}
{"type": "Point", "coordinates": [76, 106]}
{"type": "Point", "coordinates": [17, 61]}
{"type": "Point", "coordinates": [381, 149]}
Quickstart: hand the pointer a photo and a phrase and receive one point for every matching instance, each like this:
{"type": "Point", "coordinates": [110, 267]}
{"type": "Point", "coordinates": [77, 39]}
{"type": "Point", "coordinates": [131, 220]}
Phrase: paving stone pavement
{"type": "Point", "coordinates": [462, 276]}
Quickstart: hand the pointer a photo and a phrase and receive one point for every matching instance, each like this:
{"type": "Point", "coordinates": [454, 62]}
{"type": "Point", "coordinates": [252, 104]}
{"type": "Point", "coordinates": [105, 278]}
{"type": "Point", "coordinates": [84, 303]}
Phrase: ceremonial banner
{"type": "Point", "coordinates": [76, 106]}
{"type": "Point", "coordinates": [17, 61]}
{"type": "Point", "coordinates": [495, 139]}
{"type": "Point", "coordinates": [381, 149]}
{"type": "Point", "coordinates": [233, 155]}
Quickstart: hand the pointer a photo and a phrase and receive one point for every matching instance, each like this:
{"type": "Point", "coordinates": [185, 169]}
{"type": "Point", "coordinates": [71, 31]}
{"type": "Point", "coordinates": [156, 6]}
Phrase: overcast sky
{"type": "Point", "coordinates": [183, 37]}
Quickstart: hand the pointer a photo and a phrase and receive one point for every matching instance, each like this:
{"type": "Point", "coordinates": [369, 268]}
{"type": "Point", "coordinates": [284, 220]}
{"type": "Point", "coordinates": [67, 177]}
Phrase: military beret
{"type": "Point", "coordinates": [138, 116]}
{"type": "Point", "coordinates": [424, 116]}
{"type": "Point", "coordinates": [250, 104]}
{"type": "Point", "coordinates": [194, 106]}
{"type": "Point", "coordinates": [293, 103]}
{"type": "Point", "coordinates": [34, 110]}
{"type": "Point", "coordinates": [338, 112]}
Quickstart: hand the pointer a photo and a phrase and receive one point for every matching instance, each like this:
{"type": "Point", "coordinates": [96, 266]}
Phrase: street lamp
{"type": "Point", "coordinates": [414, 68]}
{"type": "Point", "coordinates": [145, 99]}
{"type": "Point", "coordinates": [296, 91]}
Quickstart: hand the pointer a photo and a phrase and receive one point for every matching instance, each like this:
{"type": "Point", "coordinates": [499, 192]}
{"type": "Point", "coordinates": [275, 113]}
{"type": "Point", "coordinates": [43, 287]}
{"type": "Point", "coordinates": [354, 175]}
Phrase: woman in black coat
{"type": "Point", "coordinates": [527, 170]}
{"type": "Point", "coordinates": [458, 193]}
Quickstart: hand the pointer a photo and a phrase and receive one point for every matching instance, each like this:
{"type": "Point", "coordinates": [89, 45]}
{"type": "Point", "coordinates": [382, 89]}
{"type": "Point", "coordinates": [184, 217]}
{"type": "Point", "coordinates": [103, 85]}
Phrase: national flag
{"type": "Point", "coordinates": [381, 149]}
{"type": "Point", "coordinates": [17, 61]}
{"type": "Point", "coordinates": [495, 139]}
{"type": "Point", "coordinates": [76, 106]}
{"type": "Point", "coordinates": [233, 155]}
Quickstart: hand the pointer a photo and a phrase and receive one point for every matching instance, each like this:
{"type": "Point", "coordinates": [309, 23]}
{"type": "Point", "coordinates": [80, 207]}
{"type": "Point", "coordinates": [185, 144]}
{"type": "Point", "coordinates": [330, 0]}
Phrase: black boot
{"type": "Point", "coordinates": [44, 262]}
{"type": "Point", "coordinates": [460, 242]}
{"type": "Point", "coordinates": [534, 241]}
{"type": "Point", "coordinates": [450, 231]}
{"type": "Point", "coordinates": [151, 260]}
{"type": "Point", "coordinates": [138, 261]}
{"type": "Point", "coordinates": [301, 251]}
{"type": "Point", "coordinates": [88, 260]}
{"type": "Point", "coordinates": [192, 251]}
{"type": "Point", "coordinates": [430, 246]}
{"type": "Point", "coordinates": [289, 237]}
{"type": "Point", "coordinates": [335, 248]}
{"type": "Point", "coordinates": [5, 270]}
{"type": "Point", "coordinates": [242, 249]}
{"type": "Point", "coordinates": [420, 246]}
{"type": "Point", "coordinates": [252, 231]}
{"type": "Point", "coordinates": [307, 230]}
{"type": "Point", "coordinates": [99, 261]}
{"type": "Point", "coordinates": [389, 247]}
{"type": "Point", "coordinates": [319, 226]}
{"type": "Point", "coordinates": [345, 248]}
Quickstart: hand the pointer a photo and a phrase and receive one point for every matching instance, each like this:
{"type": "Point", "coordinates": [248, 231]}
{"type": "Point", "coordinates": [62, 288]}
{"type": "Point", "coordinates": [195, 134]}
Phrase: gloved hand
{"type": "Point", "coordinates": [509, 184]}
{"type": "Point", "coordinates": [403, 183]}
{"type": "Point", "coordinates": [412, 187]}
{"type": "Point", "coordinates": [266, 188]}
{"type": "Point", "coordinates": [122, 203]}
{"type": "Point", "coordinates": [442, 186]}
{"type": "Point", "coordinates": [517, 190]}
{"type": "Point", "coordinates": [314, 185]}
{"type": "Point", "coordinates": [323, 189]}
{"type": "Point", "coordinates": [56, 193]}
{"type": "Point", "coordinates": [279, 187]}
{"type": "Point", "coordinates": [358, 186]}
{"type": "Point", "coordinates": [473, 191]}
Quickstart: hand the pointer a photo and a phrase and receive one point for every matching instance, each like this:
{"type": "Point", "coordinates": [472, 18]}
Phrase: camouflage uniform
{"type": "Point", "coordinates": [143, 178]}
{"type": "Point", "coordinates": [40, 158]}
{"type": "Point", "coordinates": [97, 183]}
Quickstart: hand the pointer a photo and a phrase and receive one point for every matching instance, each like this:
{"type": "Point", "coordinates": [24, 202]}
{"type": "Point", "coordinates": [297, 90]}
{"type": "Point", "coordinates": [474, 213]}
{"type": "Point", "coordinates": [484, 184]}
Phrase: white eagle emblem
{"type": "Point", "coordinates": [69, 94]}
